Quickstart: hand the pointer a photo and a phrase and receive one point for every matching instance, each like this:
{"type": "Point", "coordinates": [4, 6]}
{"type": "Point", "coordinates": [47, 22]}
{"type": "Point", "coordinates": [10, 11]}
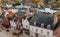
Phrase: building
{"type": "Point", "coordinates": [40, 25]}
{"type": "Point", "coordinates": [13, 25]}
{"type": "Point", "coordinates": [46, 10]}
{"type": "Point", "coordinates": [26, 26]}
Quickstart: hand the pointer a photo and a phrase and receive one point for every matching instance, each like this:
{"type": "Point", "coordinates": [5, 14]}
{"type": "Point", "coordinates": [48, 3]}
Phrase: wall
{"type": "Point", "coordinates": [41, 31]}
{"type": "Point", "coordinates": [25, 23]}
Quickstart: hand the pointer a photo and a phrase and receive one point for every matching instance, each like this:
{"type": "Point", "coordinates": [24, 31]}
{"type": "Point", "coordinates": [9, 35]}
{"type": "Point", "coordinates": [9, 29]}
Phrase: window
{"type": "Point", "coordinates": [47, 33]}
{"type": "Point", "coordinates": [42, 25]}
{"type": "Point", "coordinates": [36, 30]}
{"type": "Point", "coordinates": [48, 27]}
{"type": "Point", "coordinates": [26, 26]}
{"type": "Point", "coordinates": [41, 31]}
{"type": "Point", "coordinates": [35, 23]}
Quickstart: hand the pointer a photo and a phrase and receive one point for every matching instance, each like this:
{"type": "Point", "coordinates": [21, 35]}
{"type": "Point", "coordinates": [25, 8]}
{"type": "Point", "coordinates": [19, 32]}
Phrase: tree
{"type": "Point", "coordinates": [18, 3]}
{"type": "Point", "coordinates": [58, 4]}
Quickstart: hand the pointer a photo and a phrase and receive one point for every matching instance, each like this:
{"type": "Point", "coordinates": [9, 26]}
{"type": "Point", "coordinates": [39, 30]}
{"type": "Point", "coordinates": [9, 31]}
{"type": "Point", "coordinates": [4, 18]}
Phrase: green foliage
{"type": "Point", "coordinates": [18, 3]}
{"type": "Point", "coordinates": [3, 13]}
{"type": "Point", "coordinates": [58, 4]}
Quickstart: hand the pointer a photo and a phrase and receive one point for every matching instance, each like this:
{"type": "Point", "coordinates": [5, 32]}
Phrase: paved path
{"type": "Point", "coordinates": [4, 34]}
{"type": "Point", "coordinates": [7, 34]}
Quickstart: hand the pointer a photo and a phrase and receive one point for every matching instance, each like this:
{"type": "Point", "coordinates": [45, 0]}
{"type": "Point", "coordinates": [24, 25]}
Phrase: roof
{"type": "Point", "coordinates": [19, 14]}
{"type": "Point", "coordinates": [34, 5]}
{"type": "Point", "coordinates": [46, 19]}
{"type": "Point", "coordinates": [46, 10]}
{"type": "Point", "coordinates": [5, 8]}
{"type": "Point", "coordinates": [29, 18]}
